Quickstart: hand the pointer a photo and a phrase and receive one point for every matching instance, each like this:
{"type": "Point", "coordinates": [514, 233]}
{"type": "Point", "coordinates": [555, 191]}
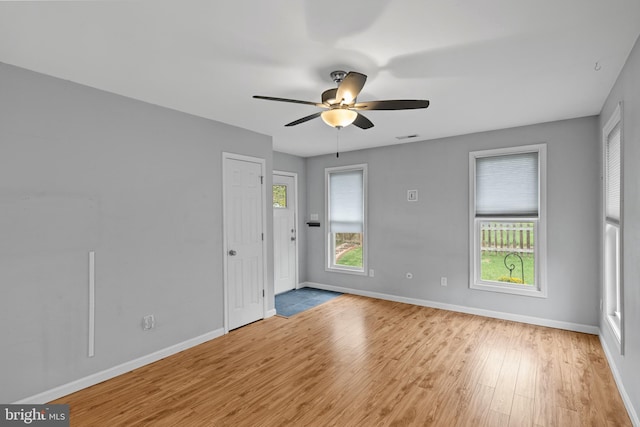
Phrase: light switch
{"type": "Point", "coordinates": [412, 195]}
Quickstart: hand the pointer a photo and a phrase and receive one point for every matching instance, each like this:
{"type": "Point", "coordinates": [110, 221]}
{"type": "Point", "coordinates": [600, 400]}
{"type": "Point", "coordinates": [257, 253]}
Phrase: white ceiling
{"type": "Point", "coordinates": [483, 64]}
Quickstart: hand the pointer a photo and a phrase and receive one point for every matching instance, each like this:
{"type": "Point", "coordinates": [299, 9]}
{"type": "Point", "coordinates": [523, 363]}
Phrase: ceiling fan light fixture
{"type": "Point", "coordinates": [339, 117]}
{"type": "Point", "coordinates": [341, 108]}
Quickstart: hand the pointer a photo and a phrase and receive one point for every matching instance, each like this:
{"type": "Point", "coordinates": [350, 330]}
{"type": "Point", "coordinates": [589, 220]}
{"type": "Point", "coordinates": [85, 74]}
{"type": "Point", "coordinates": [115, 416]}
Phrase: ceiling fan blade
{"type": "Point", "coordinates": [295, 101]}
{"type": "Point", "coordinates": [350, 87]}
{"type": "Point", "coordinates": [362, 122]}
{"type": "Point", "coordinates": [399, 104]}
{"type": "Point", "coordinates": [304, 119]}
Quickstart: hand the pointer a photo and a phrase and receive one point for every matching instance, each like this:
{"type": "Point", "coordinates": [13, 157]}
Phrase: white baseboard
{"type": "Point", "coordinates": [633, 414]}
{"type": "Point", "coordinates": [577, 327]}
{"type": "Point", "coordinates": [98, 377]}
{"type": "Point", "coordinates": [113, 372]}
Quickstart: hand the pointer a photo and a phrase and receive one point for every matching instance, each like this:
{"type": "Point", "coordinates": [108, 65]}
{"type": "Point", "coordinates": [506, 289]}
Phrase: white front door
{"type": "Point", "coordinates": [244, 256]}
{"type": "Point", "coordinates": [284, 233]}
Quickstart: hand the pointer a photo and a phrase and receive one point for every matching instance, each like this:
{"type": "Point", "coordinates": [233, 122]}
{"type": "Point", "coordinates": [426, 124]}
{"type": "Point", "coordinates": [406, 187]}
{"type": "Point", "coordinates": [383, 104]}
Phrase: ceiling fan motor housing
{"type": "Point", "coordinates": [338, 76]}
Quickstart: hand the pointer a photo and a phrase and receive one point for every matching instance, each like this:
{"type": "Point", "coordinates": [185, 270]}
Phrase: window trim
{"type": "Point", "coordinates": [329, 261]}
{"type": "Point", "coordinates": [475, 282]}
{"type": "Point", "coordinates": [615, 320]}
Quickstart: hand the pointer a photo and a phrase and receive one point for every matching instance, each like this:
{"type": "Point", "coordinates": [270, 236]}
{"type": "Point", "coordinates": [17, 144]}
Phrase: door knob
{"type": "Point", "coordinates": [232, 253]}
{"type": "Point", "coordinates": [293, 238]}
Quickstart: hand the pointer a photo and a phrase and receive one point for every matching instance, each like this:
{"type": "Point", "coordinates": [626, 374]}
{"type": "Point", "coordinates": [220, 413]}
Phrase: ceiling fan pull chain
{"type": "Point", "coordinates": [338, 141]}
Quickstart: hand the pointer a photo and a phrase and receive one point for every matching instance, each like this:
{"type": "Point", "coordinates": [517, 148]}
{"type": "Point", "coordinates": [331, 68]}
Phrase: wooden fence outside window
{"type": "Point", "coordinates": [507, 237]}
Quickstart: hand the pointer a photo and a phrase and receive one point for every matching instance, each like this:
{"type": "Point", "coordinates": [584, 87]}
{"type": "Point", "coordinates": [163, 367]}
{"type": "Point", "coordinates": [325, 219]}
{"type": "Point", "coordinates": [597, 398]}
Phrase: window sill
{"type": "Point", "coordinates": [346, 271]}
{"type": "Point", "coordinates": [509, 289]}
{"type": "Point", "coordinates": [614, 324]}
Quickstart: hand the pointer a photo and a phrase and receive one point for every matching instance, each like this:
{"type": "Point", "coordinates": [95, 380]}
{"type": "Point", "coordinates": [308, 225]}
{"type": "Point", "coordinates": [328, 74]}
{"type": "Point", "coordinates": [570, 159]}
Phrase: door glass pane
{"type": "Point", "coordinates": [507, 252]}
{"type": "Point", "coordinates": [279, 196]}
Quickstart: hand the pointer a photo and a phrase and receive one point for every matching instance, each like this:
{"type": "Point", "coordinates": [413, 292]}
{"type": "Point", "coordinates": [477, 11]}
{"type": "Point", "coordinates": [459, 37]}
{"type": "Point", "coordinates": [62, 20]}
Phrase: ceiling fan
{"type": "Point", "coordinates": [340, 106]}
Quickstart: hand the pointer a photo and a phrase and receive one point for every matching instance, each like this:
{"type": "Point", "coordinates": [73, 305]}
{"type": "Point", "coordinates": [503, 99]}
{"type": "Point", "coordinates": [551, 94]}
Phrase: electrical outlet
{"type": "Point", "coordinates": [371, 272]}
{"type": "Point", "coordinates": [443, 281]}
{"type": "Point", "coordinates": [409, 276]}
{"type": "Point", "coordinates": [148, 322]}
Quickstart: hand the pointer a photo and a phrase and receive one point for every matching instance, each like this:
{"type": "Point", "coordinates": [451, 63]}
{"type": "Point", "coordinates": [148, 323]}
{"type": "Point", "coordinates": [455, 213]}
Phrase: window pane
{"type": "Point", "coordinates": [346, 207]}
{"type": "Point", "coordinates": [613, 175]}
{"type": "Point", "coordinates": [507, 252]}
{"type": "Point", "coordinates": [279, 196]}
{"type": "Point", "coordinates": [507, 185]}
{"type": "Point", "coordinates": [348, 249]}
{"type": "Point", "coordinates": [612, 268]}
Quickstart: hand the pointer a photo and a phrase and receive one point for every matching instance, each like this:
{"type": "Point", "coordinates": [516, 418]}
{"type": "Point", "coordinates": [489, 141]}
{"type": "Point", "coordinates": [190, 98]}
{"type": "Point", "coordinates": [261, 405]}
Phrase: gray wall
{"type": "Point", "coordinates": [627, 91]}
{"type": "Point", "coordinates": [430, 238]}
{"type": "Point", "coordinates": [81, 170]}
{"type": "Point", "coordinates": [288, 163]}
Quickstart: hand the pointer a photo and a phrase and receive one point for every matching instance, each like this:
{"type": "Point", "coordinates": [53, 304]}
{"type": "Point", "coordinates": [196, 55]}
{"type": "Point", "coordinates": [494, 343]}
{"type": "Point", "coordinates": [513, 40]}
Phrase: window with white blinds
{"type": "Point", "coordinates": [346, 208]}
{"type": "Point", "coordinates": [612, 203]}
{"type": "Point", "coordinates": [507, 213]}
{"type": "Point", "coordinates": [612, 230]}
{"type": "Point", "coordinates": [507, 185]}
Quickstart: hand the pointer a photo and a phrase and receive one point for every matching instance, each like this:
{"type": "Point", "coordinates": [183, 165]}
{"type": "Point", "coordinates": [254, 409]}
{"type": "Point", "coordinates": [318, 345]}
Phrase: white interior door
{"type": "Point", "coordinates": [284, 233]}
{"type": "Point", "coordinates": [243, 220]}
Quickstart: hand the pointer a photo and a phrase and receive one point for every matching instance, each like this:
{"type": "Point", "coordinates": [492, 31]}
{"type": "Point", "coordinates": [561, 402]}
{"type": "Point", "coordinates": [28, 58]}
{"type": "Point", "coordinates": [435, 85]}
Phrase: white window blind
{"type": "Point", "coordinates": [613, 175]}
{"type": "Point", "coordinates": [507, 185]}
{"type": "Point", "coordinates": [346, 207]}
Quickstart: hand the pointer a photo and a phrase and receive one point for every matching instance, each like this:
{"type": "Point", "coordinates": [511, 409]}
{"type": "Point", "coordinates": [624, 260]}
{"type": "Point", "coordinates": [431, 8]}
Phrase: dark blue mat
{"type": "Point", "coordinates": [297, 300]}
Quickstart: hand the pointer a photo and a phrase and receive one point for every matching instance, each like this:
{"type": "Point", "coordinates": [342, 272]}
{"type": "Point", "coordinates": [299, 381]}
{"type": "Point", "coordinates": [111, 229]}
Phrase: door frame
{"type": "Point", "coordinates": [225, 291]}
{"type": "Point", "coordinates": [296, 216]}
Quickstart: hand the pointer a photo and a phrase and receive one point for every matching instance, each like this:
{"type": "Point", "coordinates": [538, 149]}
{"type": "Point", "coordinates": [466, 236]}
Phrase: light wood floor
{"type": "Point", "coordinates": [357, 361]}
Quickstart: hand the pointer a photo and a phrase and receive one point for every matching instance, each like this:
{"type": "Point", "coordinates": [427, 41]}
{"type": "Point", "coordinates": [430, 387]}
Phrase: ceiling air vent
{"type": "Point", "coordinates": [406, 137]}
